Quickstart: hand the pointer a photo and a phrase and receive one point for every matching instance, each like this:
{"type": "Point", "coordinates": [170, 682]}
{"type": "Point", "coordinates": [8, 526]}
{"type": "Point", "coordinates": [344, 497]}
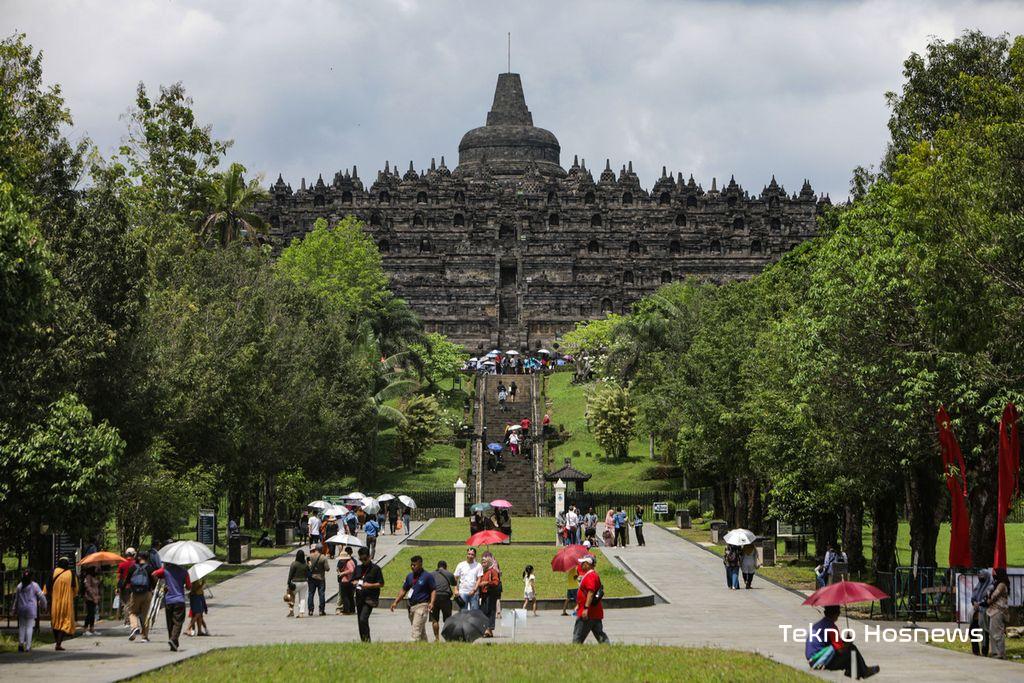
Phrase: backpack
{"type": "Point", "coordinates": [139, 580]}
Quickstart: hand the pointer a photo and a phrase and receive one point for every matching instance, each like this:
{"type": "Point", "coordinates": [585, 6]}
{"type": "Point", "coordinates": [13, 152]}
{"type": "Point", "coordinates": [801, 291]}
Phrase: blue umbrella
{"type": "Point", "coordinates": [494, 447]}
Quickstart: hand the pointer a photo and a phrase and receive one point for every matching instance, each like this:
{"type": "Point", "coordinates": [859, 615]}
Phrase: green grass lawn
{"type": "Point", "coordinates": [537, 529]}
{"type": "Point", "coordinates": [460, 661]}
{"type": "Point", "coordinates": [512, 560]}
{"type": "Point", "coordinates": [9, 639]}
{"type": "Point", "coordinates": [567, 408]}
{"type": "Point", "coordinates": [1014, 648]}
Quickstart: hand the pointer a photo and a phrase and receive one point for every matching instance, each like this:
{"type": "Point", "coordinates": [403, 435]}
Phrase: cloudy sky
{"type": "Point", "coordinates": [710, 88]}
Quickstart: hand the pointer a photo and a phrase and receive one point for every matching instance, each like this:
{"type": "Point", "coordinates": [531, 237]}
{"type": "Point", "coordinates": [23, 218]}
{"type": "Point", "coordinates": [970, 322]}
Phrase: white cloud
{"type": "Point", "coordinates": [712, 88]}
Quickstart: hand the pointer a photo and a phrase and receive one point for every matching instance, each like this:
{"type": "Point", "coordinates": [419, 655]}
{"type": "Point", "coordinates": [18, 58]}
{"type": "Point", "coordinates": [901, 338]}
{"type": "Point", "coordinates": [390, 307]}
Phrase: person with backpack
{"type": "Point", "coordinates": [731, 560]}
{"type": "Point", "coordinates": [589, 607]}
{"type": "Point", "coordinates": [140, 585]}
{"type": "Point", "coordinates": [317, 579]}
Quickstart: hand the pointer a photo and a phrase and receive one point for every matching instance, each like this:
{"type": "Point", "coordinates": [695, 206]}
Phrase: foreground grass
{"type": "Point", "coordinates": [459, 661]}
{"type": "Point", "coordinates": [9, 640]}
{"type": "Point", "coordinates": [637, 472]}
{"type": "Point", "coordinates": [512, 560]}
{"type": "Point", "coordinates": [534, 529]}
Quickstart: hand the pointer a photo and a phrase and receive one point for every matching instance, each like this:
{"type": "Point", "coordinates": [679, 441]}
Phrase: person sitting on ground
{"type": "Point", "coordinates": [265, 541]}
{"type": "Point", "coordinates": [825, 648]}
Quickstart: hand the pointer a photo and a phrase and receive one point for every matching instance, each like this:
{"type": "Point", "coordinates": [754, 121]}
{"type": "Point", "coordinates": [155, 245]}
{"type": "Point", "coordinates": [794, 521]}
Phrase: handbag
{"type": "Point", "coordinates": [459, 601]}
{"type": "Point", "coordinates": [117, 602]}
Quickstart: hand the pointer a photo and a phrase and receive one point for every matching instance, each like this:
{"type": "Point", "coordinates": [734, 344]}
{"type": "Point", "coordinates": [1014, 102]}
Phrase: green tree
{"type": "Point", "coordinates": [612, 418]}
{"type": "Point", "coordinates": [230, 214]}
{"type": "Point", "coordinates": [58, 472]}
{"type": "Point", "coordinates": [341, 264]}
{"type": "Point", "coordinates": [421, 427]}
{"type": "Point", "coordinates": [592, 336]}
{"type": "Point", "coordinates": [442, 359]}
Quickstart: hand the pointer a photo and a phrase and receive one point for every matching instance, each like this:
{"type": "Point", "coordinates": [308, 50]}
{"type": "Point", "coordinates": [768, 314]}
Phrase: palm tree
{"type": "Point", "coordinates": [230, 201]}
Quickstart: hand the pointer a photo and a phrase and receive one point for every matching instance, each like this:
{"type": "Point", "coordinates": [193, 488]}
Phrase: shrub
{"type": "Point", "coordinates": [693, 507]}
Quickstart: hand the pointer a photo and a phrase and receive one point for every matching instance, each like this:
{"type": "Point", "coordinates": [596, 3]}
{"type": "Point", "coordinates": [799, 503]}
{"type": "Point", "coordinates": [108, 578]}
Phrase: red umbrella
{"type": "Point", "coordinates": [568, 557]}
{"type": "Point", "coordinates": [486, 538]}
{"type": "Point", "coordinates": [843, 593]}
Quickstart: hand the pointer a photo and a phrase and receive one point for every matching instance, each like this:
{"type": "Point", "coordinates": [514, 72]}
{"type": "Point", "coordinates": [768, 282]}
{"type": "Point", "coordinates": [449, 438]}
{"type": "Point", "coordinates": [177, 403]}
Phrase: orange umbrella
{"type": "Point", "coordinates": [101, 558]}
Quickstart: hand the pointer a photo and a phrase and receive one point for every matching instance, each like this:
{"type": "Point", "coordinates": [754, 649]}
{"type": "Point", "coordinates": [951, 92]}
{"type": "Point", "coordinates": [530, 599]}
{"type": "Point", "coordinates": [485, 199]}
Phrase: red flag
{"type": "Point", "coordinates": [953, 461]}
{"type": "Point", "coordinates": [1009, 481]}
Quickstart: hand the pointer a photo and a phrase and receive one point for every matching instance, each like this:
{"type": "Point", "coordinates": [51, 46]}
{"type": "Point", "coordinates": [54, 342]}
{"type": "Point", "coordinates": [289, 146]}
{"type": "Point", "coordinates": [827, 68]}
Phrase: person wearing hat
{"type": "Point", "coordinates": [589, 610]}
{"type": "Point", "coordinates": [124, 592]}
{"type": "Point", "coordinates": [346, 591]}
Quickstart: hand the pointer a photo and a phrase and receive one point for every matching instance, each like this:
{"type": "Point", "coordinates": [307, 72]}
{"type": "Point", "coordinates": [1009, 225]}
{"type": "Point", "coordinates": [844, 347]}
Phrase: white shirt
{"type": "Point", "coordinates": [572, 520]}
{"type": "Point", "coordinates": [314, 525]}
{"type": "Point", "coordinates": [513, 438]}
{"type": "Point", "coordinates": [467, 575]}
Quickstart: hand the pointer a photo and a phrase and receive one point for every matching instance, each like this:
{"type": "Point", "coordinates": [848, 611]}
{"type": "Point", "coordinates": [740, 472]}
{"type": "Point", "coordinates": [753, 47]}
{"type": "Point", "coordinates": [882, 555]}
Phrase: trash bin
{"type": "Point", "coordinates": [766, 546]}
{"type": "Point", "coordinates": [284, 532]}
{"type": "Point", "coordinates": [683, 519]}
{"type": "Point", "coordinates": [718, 528]}
{"type": "Point", "coordinates": [239, 549]}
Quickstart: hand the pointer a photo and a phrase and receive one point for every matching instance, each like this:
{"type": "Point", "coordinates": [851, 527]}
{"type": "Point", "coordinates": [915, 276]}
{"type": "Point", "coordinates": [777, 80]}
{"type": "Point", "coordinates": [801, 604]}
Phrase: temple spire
{"type": "Point", "coordinates": [509, 106]}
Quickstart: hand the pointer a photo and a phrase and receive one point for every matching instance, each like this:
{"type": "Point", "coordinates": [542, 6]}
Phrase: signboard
{"type": "Point", "coordinates": [65, 546]}
{"type": "Point", "coordinates": [660, 507]}
{"type": "Point", "coordinates": [206, 527]}
{"type": "Point", "coordinates": [786, 529]}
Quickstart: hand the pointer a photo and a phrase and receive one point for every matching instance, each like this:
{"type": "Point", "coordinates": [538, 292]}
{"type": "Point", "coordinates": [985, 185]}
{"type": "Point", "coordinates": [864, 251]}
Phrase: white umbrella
{"type": "Point", "coordinates": [740, 537]}
{"type": "Point", "coordinates": [489, 362]}
{"type": "Point", "coordinates": [319, 504]}
{"type": "Point", "coordinates": [355, 495]}
{"type": "Point", "coordinates": [407, 501]}
{"type": "Point", "coordinates": [336, 511]}
{"type": "Point", "coordinates": [544, 351]}
{"type": "Point", "coordinates": [511, 352]}
{"type": "Point", "coordinates": [385, 498]}
{"type": "Point", "coordinates": [514, 428]}
{"type": "Point", "coordinates": [370, 506]}
{"type": "Point", "coordinates": [185, 552]}
{"type": "Point", "coordinates": [201, 569]}
{"type": "Point", "coordinates": [345, 539]}
{"type": "Point", "coordinates": [472, 360]}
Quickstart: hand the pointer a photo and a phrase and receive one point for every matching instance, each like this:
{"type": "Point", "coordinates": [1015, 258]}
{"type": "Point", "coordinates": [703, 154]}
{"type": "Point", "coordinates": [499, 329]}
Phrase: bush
{"type": "Point", "coordinates": [693, 507]}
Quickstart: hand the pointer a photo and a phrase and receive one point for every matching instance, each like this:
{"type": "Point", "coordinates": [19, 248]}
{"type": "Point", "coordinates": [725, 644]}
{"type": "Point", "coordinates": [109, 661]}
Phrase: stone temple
{"type": "Point", "coordinates": [509, 250]}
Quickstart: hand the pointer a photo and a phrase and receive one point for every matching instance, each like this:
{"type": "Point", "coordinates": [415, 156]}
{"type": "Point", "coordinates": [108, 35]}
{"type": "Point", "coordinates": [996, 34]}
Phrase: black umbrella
{"type": "Point", "coordinates": [465, 626]}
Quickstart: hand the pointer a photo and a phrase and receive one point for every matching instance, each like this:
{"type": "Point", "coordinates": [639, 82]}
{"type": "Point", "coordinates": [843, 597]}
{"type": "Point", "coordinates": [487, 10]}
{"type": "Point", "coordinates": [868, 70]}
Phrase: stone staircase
{"type": "Point", "coordinates": [514, 481]}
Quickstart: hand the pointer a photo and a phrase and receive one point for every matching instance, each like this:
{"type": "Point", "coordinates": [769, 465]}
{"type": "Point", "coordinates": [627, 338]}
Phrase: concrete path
{"type": "Point", "coordinates": [701, 612]}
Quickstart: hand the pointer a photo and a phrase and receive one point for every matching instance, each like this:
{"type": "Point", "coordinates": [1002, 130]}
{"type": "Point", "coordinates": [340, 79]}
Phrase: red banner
{"type": "Point", "coordinates": [953, 465]}
{"type": "Point", "coordinates": [1009, 477]}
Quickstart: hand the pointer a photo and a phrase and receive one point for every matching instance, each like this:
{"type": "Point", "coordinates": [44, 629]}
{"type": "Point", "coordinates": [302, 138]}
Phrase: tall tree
{"type": "Point", "coordinates": [230, 211]}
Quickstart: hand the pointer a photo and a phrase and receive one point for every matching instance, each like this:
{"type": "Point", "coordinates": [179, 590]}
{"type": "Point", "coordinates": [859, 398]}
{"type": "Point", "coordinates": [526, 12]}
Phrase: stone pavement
{"type": "Point", "coordinates": [248, 610]}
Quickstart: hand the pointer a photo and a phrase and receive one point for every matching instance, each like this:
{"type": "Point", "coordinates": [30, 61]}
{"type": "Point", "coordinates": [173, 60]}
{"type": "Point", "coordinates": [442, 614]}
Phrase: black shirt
{"type": "Point", "coordinates": [370, 573]}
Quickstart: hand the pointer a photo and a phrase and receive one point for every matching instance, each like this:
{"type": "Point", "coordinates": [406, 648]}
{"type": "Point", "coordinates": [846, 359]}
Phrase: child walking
{"type": "Point", "coordinates": [197, 609]}
{"type": "Point", "coordinates": [529, 588]}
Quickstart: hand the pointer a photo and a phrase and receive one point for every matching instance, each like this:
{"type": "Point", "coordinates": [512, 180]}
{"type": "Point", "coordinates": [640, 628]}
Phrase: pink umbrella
{"type": "Point", "coordinates": [500, 503]}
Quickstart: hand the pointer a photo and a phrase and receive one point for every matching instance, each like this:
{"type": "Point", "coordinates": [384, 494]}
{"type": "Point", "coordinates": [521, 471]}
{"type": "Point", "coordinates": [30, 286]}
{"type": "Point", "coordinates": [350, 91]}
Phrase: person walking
{"type": "Point", "coordinates": [998, 611]}
{"type": "Point", "coordinates": [638, 525]}
{"type": "Point", "coordinates": [298, 576]}
{"type": "Point", "coordinates": [512, 388]}
{"type": "Point", "coordinates": [979, 611]}
{"type": "Point", "coordinates": [176, 583]}
{"type": "Point", "coordinates": [346, 590]}
{"type": "Point", "coordinates": [406, 520]}
{"type": "Point", "coordinates": [420, 587]}
{"type": "Point", "coordinates": [590, 526]}
{"type": "Point", "coordinates": [197, 609]}
{"type": "Point", "coordinates": [392, 516]}
{"type": "Point", "coordinates": [731, 560]}
{"type": "Point", "coordinates": [589, 603]}
{"type": "Point", "coordinates": [572, 585]}
{"type": "Point", "coordinates": [502, 397]}
{"type": "Point", "coordinates": [124, 568]}
{"type": "Point", "coordinates": [468, 573]}
{"type": "Point", "coordinates": [61, 593]}
{"type": "Point", "coordinates": [328, 529]}
{"type": "Point", "coordinates": [563, 535]}
{"type": "Point", "coordinates": [529, 588]}
{"type": "Point", "coordinates": [140, 583]}
{"type": "Point", "coordinates": [748, 564]}
{"type": "Point", "coordinates": [313, 524]}
{"type": "Point", "coordinates": [372, 530]}
{"type": "Point", "coordinates": [608, 535]}
{"type": "Point", "coordinates": [381, 519]}
{"type": "Point", "coordinates": [318, 568]}
{"type": "Point", "coordinates": [91, 596]}
{"type": "Point", "coordinates": [490, 581]}
{"type": "Point", "coordinates": [572, 525]}
{"type": "Point", "coordinates": [303, 528]}
{"type": "Point", "coordinates": [444, 581]}
{"type": "Point", "coordinates": [351, 522]}
{"type": "Point", "coordinates": [368, 581]}
{"type": "Point", "coordinates": [29, 599]}
{"type": "Point", "coordinates": [623, 521]}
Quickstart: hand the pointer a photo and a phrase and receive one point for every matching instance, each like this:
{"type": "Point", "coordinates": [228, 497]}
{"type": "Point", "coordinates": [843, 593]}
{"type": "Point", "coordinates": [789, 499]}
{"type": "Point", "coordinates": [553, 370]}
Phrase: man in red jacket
{"type": "Point", "coordinates": [589, 610]}
{"type": "Point", "coordinates": [123, 568]}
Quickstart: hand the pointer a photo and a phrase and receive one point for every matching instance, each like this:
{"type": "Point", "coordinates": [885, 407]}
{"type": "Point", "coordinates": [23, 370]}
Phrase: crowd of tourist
{"type": "Point", "coordinates": [514, 363]}
{"type": "Point", "coordinates": [573, 527]}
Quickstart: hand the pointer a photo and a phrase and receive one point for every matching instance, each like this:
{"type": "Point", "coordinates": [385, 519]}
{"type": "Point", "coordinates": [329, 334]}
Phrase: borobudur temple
{"type": "Point", "coordinates": [509, 250]}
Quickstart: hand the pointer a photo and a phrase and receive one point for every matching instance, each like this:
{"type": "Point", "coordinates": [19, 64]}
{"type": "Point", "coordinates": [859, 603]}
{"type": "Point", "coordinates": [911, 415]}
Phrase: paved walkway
{"type": "Point", "coordinates": [248, 610]}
